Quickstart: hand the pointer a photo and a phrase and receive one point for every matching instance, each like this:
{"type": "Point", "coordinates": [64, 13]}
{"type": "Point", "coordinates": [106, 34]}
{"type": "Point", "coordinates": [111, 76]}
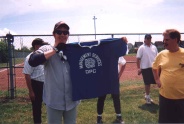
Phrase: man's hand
{"type": "Point", "coordinates": [139, 71]}
{"type": "Point", "coordinates": [124, 39]}
{"type": "Point", "coordinates": [61, 46]}
{"type": "Point", "coordinates": [32, 95]}
{"type": "Point", "coordinates": [158, 83]}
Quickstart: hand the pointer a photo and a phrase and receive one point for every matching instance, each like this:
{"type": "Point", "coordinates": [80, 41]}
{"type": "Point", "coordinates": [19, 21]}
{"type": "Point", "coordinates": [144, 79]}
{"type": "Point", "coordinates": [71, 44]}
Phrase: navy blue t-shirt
{"type": "Point", "coordinates": [94, 70]}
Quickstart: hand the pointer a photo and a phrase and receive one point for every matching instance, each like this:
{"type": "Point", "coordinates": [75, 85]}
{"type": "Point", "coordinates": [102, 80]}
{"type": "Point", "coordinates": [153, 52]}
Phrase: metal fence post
{"type": "Point", "coordinates": [10, 40]}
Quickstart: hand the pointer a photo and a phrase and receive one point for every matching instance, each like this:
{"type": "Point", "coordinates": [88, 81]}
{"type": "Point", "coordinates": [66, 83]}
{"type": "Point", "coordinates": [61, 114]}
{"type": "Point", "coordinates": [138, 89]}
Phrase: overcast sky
{"type": "Point", "coordinates": [113, 16]}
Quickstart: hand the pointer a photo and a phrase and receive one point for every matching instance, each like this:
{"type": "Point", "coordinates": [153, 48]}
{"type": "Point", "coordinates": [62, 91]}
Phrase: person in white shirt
{"type": "Point", "coordinates": [145, 56]}
{"type": "Point", "coordinates": [35, 79]}
{"type": "Point", "coordinates": [57, 90]}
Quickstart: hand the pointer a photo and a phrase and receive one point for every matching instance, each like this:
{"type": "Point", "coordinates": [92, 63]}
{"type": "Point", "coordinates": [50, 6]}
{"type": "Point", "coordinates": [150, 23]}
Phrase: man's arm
{"type": "Point", "coordinates": [28, 82]}
{"type": "Point", "coordinates": [121, 64]}
{"type": "Point", "coordinates": [122, 68]}
{"type": "Point", "coordinates": [156, 73]}
{"type": "Point", "coordinates": [38, 58]}
{"type": "Point", "coordinates": [138, 61]}
{"type": "Point", "coordinates": [122, 61]}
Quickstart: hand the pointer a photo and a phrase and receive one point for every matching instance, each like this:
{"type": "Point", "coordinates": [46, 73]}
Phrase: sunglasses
{"type": "Point", "coordinates": [59, 32]}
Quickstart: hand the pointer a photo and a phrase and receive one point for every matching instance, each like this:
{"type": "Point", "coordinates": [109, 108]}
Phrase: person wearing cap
{"type": "Point", "coordinates": [171, 80]}
{"type": "Point", "coordinates": [145, 56]}
{"type": "Point", "coordinates": [57, 91]}
{"type": "Point", "coordinates": [34, 77]}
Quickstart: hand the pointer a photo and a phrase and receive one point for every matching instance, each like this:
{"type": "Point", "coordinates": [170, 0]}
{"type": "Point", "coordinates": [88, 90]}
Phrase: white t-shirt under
{"type": "Point", "coordinates": [147, 55]}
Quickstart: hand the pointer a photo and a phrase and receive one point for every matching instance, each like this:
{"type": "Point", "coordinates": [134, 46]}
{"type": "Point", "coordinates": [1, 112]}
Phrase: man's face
{"type": "Point", "coordinates": [61, 35]}
{"type": "Point", "coordinates": [168, 42]}
{"type": "Point", "coordinates": [36, 47]}
{"type": "Point", "coordinates": [147, 41]}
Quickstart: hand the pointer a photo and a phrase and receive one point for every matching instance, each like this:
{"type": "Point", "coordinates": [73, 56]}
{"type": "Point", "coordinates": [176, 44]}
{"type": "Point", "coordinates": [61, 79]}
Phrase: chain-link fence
{"type": "Point", "coordinates": [14, 49]}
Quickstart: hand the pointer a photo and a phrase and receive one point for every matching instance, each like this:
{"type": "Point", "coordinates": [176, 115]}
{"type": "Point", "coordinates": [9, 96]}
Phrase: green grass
{"type": "Point", "coordinates": [134, 109]}
{"type": "Point", "coordinates": [17, 61]}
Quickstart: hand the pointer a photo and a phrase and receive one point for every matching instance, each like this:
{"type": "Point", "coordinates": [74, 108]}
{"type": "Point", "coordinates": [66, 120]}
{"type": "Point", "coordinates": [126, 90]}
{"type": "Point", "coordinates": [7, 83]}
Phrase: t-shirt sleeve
{"type": "Point", "coordinates": [122, 60]}
{"type": "Point", "coordinates": [44, 48]}
{"type": "Point", "coordinates": [117, 46]}
{"type": "Point", "coordinates": [27, 68]}
{"type": "Point", "coordinates": [139, 52]}
{"type": "Point", "coordinates": [156, 62]}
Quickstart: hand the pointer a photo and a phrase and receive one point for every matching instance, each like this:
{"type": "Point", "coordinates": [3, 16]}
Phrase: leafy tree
{"type": "Point", "coordinates": [25, 49]}
{"type": "Point", "coordinates": [31, 49]}
{"type": "Point", "coordinates": [3, 51]}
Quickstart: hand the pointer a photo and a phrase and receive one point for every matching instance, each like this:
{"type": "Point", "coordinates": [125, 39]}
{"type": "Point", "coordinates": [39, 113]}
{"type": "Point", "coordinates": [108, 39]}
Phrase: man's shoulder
{"type": "Point", "coordinates": [141, 46]}
{"type": "Point", "coordinates": [45, 48]}
{"type": "Point", "coordinates": [165, 51]}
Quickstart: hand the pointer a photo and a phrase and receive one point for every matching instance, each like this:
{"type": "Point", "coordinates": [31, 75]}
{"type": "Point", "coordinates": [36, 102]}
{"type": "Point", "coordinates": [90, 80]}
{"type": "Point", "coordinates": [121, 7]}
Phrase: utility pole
{"type": "Point", "coordinates": [94, 18]}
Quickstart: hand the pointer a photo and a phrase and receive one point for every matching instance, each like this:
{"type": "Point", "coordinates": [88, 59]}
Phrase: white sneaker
{"type": "Point", "coordinates": [151, 100]}
{"type": "Point", "coordinates": [148, 99]}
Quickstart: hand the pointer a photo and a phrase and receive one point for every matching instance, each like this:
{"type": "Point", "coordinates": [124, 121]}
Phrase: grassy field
{"type": "Point", "coordinates": [17, 61]}
{"type": "Point", "coordinates": [134, 109]}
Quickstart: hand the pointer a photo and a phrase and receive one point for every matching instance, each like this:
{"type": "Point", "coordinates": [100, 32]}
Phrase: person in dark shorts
{"type": "Point", "coordinates": [145, 56]}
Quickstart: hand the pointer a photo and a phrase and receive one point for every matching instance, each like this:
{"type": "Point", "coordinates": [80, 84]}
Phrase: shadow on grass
{"type": "Point", "coordinates": [152, 108]}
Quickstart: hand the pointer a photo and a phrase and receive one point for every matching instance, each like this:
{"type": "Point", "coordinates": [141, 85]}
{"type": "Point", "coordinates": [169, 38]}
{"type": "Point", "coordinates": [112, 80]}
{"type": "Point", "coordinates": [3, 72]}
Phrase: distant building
{"type": "Point", "coordinates": [137, 45]}
{"type": "Point", "coordinates": [181, 44]}
{"type": "Point", "coordinates": [130, 46]}
{"type": "Point", "coordinates": [159, 44]}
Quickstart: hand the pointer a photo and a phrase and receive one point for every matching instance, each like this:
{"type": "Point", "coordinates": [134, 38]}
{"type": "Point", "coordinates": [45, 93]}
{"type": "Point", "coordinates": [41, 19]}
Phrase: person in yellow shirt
{"type": "Point", "coordinates": [170, 64]}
